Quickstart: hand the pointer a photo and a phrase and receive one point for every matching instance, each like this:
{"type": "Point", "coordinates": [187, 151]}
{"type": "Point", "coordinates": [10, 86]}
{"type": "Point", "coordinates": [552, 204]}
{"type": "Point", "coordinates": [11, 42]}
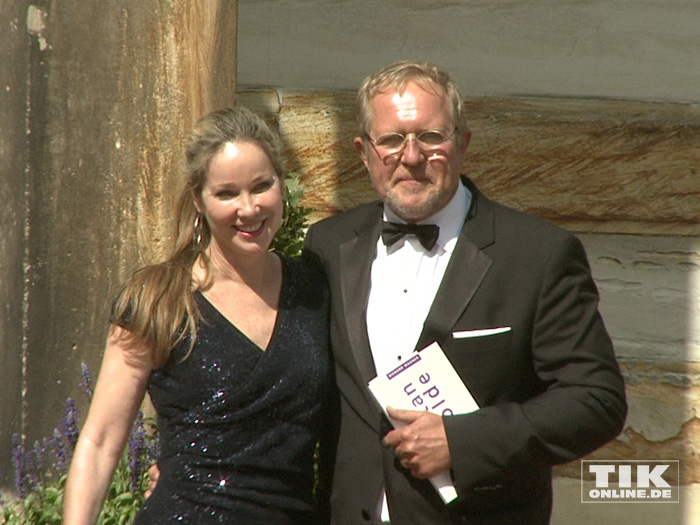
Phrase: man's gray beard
{"type": "Point", "coordinates": [424, 211]}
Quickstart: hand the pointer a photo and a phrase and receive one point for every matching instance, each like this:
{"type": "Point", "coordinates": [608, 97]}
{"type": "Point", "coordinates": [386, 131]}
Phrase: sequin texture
{"type": "Point", "coordinates": [238, 425]}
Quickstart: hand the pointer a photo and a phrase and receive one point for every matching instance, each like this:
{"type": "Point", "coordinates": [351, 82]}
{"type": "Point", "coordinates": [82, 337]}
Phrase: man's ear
{"type": "Point", "coordinates": [361, 148]}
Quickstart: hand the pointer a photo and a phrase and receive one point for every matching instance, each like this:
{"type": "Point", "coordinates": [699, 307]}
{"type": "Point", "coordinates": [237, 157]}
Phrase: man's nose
{"type": "Point", "coordinates": [412, 154]}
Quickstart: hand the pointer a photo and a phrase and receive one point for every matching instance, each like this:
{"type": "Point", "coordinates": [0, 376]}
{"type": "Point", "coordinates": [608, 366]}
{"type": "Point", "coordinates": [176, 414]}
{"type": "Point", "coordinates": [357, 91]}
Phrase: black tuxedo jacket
{"type": "Point", "coordinates": [548, 384]}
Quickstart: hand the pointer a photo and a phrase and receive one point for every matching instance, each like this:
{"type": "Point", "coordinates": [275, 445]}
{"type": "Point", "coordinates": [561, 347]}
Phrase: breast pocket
{"type": "Point", "coordinates": [485, 360]}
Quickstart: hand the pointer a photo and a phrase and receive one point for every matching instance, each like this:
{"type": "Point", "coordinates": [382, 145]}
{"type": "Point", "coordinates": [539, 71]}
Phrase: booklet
{"type": "Point", "coordinates": [425, 381]}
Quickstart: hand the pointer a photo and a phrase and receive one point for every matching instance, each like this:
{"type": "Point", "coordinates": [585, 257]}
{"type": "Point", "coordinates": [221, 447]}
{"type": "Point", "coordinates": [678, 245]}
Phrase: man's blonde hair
{"type": "Point", "coordinates": [397, 76]}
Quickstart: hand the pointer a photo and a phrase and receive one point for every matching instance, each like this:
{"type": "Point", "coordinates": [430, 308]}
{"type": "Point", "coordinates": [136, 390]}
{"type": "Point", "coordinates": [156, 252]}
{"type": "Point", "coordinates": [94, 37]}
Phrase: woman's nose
{"type": "Point", "coordinates": [247, 204]}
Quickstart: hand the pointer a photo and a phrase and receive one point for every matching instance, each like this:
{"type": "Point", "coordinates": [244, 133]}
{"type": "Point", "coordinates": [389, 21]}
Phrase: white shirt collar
{"type": "Point", "coordinates": [450, 219]}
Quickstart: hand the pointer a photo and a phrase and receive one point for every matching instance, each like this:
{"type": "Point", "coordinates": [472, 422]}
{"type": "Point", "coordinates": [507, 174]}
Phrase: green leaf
{"type": "Point", "coordinates": [289, 240]}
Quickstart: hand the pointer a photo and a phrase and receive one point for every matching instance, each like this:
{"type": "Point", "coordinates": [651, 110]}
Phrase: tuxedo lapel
{"type": "Point", "coordinates": [465, 271]}
{"type": "Point", "coordinates": [356, 256]}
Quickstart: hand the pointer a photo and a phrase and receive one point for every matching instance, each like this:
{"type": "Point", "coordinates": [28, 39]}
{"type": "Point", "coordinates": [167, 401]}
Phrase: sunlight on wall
{"type": "Point", "coordinates": [693, 323]}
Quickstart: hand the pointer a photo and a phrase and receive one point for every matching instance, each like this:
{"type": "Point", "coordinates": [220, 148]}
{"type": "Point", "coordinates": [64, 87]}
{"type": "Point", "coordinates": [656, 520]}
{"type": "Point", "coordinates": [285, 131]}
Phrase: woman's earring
{"type": "Point", "coordinates": [197, 231]}
{"type": "Point", "coordinates": [285, 209]}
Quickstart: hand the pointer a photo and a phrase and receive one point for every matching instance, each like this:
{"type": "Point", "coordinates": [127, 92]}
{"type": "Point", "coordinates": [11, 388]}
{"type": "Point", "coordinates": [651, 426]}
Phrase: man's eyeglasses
{"type": "Point", "coordinates": [394, 143]}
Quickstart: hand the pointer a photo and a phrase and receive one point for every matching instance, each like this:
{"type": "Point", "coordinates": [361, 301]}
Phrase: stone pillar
{"type": "Point", "coordinates": [14, 56]}
{"type": "Point", "coordinates": [97, 99]}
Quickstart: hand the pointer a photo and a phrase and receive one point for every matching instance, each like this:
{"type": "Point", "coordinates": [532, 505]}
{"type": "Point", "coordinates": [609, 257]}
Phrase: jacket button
{"type": "Point", "coordinates": [366, 515]}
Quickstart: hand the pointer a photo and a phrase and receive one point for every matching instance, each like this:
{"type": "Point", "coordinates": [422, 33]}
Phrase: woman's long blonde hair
{"type": "Point", "coordinates": [156, 304]}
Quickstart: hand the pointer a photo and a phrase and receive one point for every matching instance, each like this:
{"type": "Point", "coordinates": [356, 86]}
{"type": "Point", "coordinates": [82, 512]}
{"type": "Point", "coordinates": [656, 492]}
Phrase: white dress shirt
{"type": "Point", "coordinates": [404, 280]}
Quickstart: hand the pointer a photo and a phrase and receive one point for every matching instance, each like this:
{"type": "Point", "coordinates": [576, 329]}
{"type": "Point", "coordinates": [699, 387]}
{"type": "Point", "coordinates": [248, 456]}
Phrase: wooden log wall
{"type": "Point", "coordinates": [589, 165]}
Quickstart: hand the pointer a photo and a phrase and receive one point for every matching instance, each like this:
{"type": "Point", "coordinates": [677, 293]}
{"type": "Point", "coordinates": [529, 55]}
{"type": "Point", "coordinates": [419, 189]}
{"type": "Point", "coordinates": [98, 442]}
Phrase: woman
{"type": "Point", "coordinates": [231, 341]}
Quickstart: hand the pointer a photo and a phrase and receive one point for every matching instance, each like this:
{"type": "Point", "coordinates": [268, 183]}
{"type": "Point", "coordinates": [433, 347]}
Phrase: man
{"type": "Point", "coordinates": [509, 298]}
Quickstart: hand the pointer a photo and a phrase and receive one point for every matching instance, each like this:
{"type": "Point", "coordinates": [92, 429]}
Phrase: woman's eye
{"type": "Point", "coordinates": [264, 186]}
{"type": "Point", "coordinates": [225, 194]}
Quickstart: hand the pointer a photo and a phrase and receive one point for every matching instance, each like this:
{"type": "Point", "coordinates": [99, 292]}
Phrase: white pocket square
{"type": "Point", "coordinates": [481, 333]}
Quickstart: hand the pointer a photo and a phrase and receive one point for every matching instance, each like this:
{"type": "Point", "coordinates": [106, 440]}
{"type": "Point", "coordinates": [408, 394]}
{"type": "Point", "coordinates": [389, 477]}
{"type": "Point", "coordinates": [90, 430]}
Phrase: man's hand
{"type": "Point", "coordinates": [421, 446]}
{"type": "Point", "coordinates": [153, 475]}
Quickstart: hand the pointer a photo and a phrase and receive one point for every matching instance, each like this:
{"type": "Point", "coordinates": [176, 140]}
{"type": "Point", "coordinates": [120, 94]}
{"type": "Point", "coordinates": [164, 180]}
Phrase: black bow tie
{"type": "Point", "coordinates": [427, 233]}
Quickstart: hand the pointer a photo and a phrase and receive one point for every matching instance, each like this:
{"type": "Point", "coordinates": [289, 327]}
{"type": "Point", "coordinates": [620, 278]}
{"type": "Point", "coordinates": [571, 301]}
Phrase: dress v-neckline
{"type": "Point", "coordinates": [275, 327]}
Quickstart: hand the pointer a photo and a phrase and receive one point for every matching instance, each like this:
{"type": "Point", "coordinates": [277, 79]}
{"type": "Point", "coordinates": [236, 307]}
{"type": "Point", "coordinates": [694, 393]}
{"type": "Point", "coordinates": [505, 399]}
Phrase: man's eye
{"type": "Point", "coordinates": [433, 138]}
{"type": "Point", "coordinates": [393, 140]}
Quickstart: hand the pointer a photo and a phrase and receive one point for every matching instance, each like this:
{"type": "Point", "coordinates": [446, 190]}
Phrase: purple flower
{"type": "Point", "coordinates": [51, 457]}
{"type": "Point", "coordinates": [32, 474]}
{"type": "Point", "coordinates": [58, 448]}
{"type": "Point", "coordinates": [86, 380]}
{"type": "Point", "coordinates": [18, 464]}
{"type": "Point", "coordinates": [39, 451]}
{"type": "Point", "coordinates": [137, 452]}
{"type": "Point", "coordinates": [69, 426]}
{"type": "Point", "coordinates": [153, 448]}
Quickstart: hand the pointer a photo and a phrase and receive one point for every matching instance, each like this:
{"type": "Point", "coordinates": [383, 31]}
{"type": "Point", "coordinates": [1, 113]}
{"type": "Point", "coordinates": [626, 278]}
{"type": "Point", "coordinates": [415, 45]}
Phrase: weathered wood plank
{"type": "Point", "coordinates": [614, 166]}
{"type": "Point", "coordinates": [589, 165]}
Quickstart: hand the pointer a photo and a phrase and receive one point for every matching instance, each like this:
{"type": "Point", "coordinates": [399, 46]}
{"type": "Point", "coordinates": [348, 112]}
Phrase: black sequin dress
{"type": "Point", "coordinates": [238, 425]}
